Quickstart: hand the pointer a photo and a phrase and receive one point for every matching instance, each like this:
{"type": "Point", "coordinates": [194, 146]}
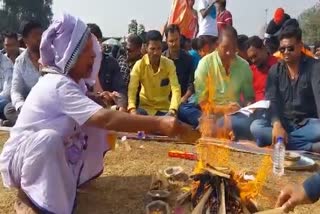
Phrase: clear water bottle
{"type": "Point", "coordinates": [278, 157]}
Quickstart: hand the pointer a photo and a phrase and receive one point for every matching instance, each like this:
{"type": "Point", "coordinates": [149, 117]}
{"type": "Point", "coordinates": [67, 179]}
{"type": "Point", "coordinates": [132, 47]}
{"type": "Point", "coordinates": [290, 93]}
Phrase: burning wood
{"type": "Point", "coordinates": [214, 172]}
{"type": "Point", "coordinates": [214, 190]}
{"type": "Point", "coordinates": [216, 194]}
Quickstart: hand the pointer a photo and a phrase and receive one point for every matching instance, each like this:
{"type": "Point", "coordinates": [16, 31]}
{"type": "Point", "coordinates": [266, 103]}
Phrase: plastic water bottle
{"type": "Point", "coordinates": [278, 157]}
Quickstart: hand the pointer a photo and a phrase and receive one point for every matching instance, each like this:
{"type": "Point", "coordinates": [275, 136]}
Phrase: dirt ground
{"type": "Point", "coordinates": [123, 185]}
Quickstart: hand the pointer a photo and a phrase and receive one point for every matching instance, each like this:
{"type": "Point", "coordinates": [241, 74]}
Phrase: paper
{"type": "Point", "coordinates": [248, 110]}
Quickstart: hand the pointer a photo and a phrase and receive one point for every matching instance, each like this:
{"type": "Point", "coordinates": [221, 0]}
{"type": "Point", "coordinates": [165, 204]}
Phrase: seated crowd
{"type": "Point", "coordinates": [223, 69]}
{"type": "Point", "coordinates": [174, 82]}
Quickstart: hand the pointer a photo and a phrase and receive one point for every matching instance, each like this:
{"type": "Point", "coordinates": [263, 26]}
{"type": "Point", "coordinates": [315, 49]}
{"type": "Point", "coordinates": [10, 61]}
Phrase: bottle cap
{"type": "Point", "coordinates": [280, 140]}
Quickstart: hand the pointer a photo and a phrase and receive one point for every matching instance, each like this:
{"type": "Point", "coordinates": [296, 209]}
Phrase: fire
{"type": "Point", "coordinates": [219, 156]}
{"type": "Point", "coordinates": [210, 111]}
{"type": "Point", "coordinates": [251, 189]}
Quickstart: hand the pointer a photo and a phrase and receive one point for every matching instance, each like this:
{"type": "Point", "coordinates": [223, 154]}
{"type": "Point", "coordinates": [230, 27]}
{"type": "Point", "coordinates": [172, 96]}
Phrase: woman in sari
{"type": "Point", "coordinates": [59, 140]}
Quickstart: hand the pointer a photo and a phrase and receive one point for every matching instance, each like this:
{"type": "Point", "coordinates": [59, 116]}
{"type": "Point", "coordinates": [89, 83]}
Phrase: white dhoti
{"type": "Point", "coordinates": [41, 167]}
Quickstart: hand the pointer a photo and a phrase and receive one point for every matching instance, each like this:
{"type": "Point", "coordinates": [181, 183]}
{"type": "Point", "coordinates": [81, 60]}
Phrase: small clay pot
{"type": "Point", "coordinates": [158, 207]}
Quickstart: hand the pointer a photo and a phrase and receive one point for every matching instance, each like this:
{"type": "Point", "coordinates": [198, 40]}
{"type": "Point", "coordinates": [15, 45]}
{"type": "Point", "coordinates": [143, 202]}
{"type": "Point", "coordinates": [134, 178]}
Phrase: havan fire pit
{"type": "Point", "coordinates": [216, 192]}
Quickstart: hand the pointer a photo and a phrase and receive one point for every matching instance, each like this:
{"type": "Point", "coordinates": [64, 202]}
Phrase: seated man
{"type": "Point", "coordinates": [230, 76]}
{"type": "Point", "coordinates": [242, 46]}
{"type": "Point", "coordinates": [293, 90]}
{"type": "Point", "coordinates": [261, 63]}
{"type": "Point", "coordinates": [11, 46]}
{"type": "Point", "coordinates": [158, 78]}
{"type": "Point", "coordinates": [112, 84]}
{"type": "Point", "coordinates": [181, 59]}
{"type": "Point", "coordinates": [200, 48]}
{"type": "Point", "coordinates": [26, 70]}
{"type": "Point", "coordinates": [133, 54]}
{"type": "Point", "coordinates": [6, 68]}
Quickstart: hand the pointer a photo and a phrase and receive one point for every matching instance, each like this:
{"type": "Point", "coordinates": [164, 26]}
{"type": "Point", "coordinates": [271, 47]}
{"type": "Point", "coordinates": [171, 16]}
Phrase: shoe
{"type": "Point", "coordinates": [23, 204]}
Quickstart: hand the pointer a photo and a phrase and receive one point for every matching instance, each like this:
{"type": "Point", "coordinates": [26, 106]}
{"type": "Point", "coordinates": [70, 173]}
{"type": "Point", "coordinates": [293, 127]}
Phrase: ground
{"type": "Point", "coordinates": [127, 176]}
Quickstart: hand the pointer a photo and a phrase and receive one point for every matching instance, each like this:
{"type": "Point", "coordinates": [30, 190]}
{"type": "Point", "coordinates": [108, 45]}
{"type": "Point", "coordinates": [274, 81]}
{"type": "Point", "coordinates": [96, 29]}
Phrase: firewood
{"type": "Point", "coordinates": [217, 173]}
{"type": "Point", "coordinates": [200, 206]}
{"type": "Point", "coordinates": [272, 211]}
{"type": "Point", "coordinates": [222, 207]}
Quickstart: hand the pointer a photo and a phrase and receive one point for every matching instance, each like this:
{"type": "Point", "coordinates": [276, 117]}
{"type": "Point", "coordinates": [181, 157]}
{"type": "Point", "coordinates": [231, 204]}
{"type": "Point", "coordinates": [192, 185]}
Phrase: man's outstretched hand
{"type": "Point", "coordinates": [291, 196]}
{"type": "Point", "coordinates": [172, 127]}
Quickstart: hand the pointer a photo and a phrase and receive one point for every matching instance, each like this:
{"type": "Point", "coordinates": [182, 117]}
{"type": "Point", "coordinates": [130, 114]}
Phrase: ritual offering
{"type": "Point", "coordinates": [173, 171]}
{"type": "Point", "coordinates": [158, 207]}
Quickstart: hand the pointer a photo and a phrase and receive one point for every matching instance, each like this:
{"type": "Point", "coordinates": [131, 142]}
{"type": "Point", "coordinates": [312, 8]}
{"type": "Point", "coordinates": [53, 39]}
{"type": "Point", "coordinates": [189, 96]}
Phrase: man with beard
{"type": "Point", "coordinates": [158, 78]}
{"type": "Point", "coordinates": [25, 71]}
{"type": "Point", "coordinates": [261, 63]}
{"type": "Point", "coordinates": [181, 59]}
{"type": "Point", "coordinates": [293, 90]}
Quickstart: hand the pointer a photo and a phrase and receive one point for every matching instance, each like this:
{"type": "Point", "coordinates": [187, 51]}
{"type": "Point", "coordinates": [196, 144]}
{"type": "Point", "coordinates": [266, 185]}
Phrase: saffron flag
{"type": "Point", "coordinates": [183, 16]}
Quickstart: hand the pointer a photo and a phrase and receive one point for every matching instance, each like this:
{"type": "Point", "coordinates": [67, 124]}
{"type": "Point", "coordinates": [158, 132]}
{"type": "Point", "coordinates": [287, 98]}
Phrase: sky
{"type": "Point", "coordinates": [113, 16]}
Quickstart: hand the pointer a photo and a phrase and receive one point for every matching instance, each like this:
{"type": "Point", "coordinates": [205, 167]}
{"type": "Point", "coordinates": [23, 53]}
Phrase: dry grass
{"type": "Point", "coordinates": [127, 176]}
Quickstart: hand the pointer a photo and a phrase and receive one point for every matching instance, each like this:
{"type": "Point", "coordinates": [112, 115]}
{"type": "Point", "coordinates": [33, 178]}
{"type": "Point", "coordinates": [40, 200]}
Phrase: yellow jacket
{"type": "Point", "coordinates": [156, 87]}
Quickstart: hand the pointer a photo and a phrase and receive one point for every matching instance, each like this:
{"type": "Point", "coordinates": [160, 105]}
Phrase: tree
{"type": "Point", "coordinates": [15, 12]}
{"type": "Point", "coordinates": [310, 24]}
{"type": "Point", "coordinates": [141, 29]}
{"type": "Point", "coordinates": [133, 27]}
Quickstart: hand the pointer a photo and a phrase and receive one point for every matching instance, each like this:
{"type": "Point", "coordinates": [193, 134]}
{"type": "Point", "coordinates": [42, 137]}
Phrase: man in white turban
{"type": "Point", "coordinates": [59, 140]}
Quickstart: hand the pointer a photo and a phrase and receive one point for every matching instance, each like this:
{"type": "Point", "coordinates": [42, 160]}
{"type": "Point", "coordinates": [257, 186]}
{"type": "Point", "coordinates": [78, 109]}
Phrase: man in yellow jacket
{"type": "Point", "coordinates": [160, 90]}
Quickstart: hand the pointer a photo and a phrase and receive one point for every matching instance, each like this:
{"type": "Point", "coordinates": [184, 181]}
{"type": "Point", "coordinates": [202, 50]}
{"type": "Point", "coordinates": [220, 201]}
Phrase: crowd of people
{"type": "Point", "coordinates": [61, 91]}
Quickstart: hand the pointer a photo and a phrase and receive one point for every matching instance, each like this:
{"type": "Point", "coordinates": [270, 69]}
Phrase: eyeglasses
{"type": "Point", "coordinates": [288, 48]}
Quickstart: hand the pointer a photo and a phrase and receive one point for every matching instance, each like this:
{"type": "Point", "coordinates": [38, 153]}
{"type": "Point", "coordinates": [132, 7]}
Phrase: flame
{"type": "Point", "coordinates": [251, 189]}
{"type": "Point", "coordinates": [219, 156]}
{"type": "Point", "coordinates": [208, 125]}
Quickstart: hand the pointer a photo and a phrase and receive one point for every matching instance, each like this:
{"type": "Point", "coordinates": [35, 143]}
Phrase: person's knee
{"type": "Point", "coordinates": [189, 113]}
{"type": "Point", "coordinates": [256, 128]}
{"type": "Point", "coordinates": [315, 129]}
{"type": "Point", "coordinates": [260, 134]}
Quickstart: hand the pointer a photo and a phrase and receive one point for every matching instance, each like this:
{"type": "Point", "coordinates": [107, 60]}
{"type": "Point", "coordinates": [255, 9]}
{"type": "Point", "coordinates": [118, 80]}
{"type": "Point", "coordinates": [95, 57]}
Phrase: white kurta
{"type": "Point", "coordinates": [50, 152]}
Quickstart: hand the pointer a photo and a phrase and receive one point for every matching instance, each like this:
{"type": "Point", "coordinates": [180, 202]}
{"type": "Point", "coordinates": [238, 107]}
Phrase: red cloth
{"type": "Point", "coordinates": [260, 78]}
{"type": "Point", "coordinates": [224, 18]}
{"type": "Point", "coordinates": [278, 16]}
